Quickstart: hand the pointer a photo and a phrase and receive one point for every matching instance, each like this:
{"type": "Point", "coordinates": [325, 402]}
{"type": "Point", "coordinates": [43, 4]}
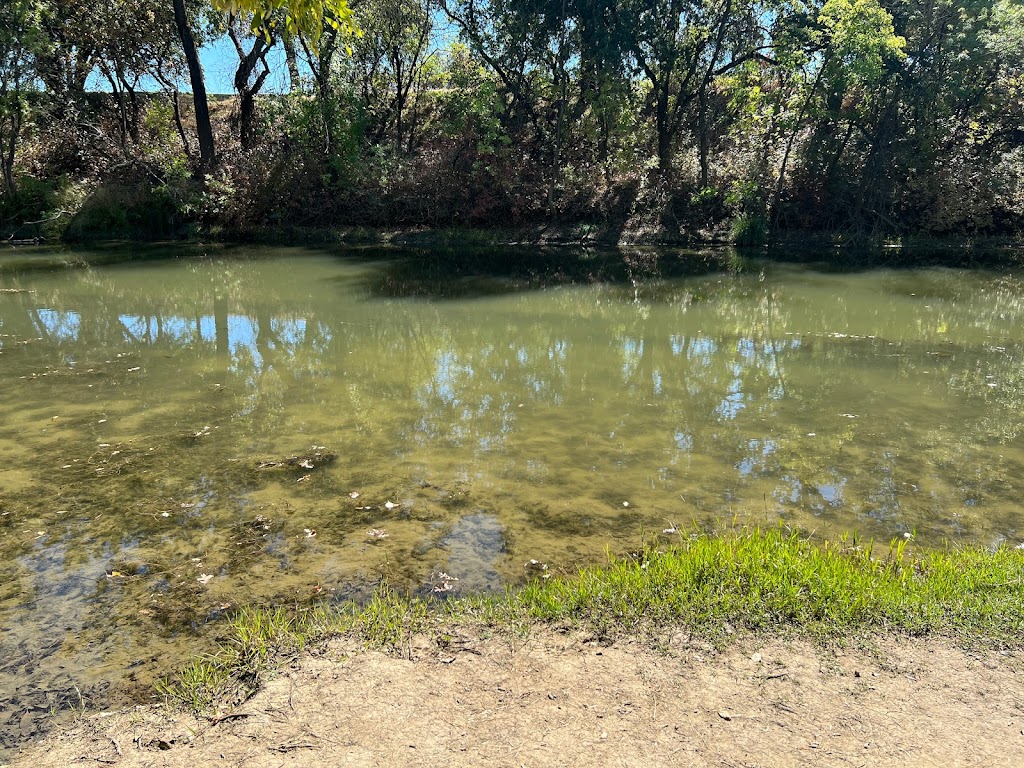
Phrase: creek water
{"type": "Point", "coordinates": [183, 436]}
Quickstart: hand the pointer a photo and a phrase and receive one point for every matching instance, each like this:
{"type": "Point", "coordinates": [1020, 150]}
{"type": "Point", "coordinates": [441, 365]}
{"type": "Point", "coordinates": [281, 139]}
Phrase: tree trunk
{"type": "Point", "coordinates": [292, 60]}
{"type": "Point", "coordinates": [177, 122]}
{"type": "Point", "coordinates": [246, 116]}
{"type": "Point", "coordinates": [664, 134]}
{"type": "Point", "coordinates": [7, 158]}
{"type": "Point", "coordinates": [248, 87]}
{"type": "Point", "coordinates": [208, 156]}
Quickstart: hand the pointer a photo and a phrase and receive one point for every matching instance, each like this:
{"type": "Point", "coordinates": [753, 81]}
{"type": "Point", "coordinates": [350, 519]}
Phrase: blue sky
{"type": "Point", "coordinates": [219, 63]}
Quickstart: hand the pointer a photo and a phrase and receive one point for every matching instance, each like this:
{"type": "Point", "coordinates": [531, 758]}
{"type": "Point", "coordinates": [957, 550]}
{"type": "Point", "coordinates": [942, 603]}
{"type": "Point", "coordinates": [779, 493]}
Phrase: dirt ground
{"type": "Point", "coordinates": [558, 700]}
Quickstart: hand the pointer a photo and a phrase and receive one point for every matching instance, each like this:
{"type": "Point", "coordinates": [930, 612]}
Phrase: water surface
{"type": "Point", "coordinates": [183, 436]}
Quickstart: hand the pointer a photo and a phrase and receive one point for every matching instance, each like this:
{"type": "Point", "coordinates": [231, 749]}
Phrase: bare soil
{"type": "Point", "coordinates": [559, 700]}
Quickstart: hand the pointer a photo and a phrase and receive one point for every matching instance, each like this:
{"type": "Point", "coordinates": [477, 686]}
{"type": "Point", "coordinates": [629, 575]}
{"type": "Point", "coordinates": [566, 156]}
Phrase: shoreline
{"type": "Point", "coordinates": [736, 615]}
{"type": "Point", "coordinates": [578, 235]}
{"type": "Point", "coordinates": [560, 699]}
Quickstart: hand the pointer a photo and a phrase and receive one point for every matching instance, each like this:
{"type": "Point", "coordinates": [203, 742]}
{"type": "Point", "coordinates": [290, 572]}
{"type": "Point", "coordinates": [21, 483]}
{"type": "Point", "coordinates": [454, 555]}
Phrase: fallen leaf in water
{"type": "Point", "coordinates": [204, 578]}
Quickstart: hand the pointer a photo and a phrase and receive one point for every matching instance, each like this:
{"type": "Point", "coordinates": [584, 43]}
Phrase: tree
{"type": "Point", "coordinates": [298, 17]}
{"type": "Point", "coordinates": [132, 39]}
{"type": "Point", "coordinates": [207, 151]}
{"type": "Point", "coordinates": [848, 48]}
{"type": "Point", "coordinates": [19, 41]}
{"type": "Point", "coordinates": [389, 58]}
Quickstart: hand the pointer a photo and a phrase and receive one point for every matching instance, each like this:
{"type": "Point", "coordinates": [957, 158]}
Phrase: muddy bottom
{"type": "Point", "coordinates": [555, 700]}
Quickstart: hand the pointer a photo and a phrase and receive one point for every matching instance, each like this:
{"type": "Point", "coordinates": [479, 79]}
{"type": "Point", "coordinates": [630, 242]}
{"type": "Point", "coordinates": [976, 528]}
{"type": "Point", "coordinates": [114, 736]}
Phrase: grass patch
{"type": "Point", "coordinates": [773, 581]}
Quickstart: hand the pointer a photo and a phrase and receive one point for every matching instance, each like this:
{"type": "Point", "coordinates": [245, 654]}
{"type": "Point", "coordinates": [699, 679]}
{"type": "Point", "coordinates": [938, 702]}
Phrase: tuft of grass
{"type": "Point", "coordinates": [774, 581]}
{"type": "Point", "coordinates": [749, 229]}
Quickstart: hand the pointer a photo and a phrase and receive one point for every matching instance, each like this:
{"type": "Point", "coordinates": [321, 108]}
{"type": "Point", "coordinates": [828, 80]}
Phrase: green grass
{"type": "Point", "coordinates": [772, 581]}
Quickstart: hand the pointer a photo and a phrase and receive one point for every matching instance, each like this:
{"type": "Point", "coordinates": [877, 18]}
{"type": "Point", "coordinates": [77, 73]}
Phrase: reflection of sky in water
{"type": "Point", "coordinates": [242, 331]}
{"type": "Point", "coordinates": [732, 403]}
{"type": "Point", "coordinates": [756, 461]}
{"type": "Point", "coordinates": [833, 492]}
{"type": "Point", "coordinates": [59, 326]}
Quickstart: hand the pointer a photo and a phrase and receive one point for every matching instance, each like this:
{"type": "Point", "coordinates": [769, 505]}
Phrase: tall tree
{"type": "Point", "coordinates": [298, 17]}
{"type": "Point", "coordinates": [19, 42]}
{"type": "Point", "coordinates": [389, 59]}
{"type": "Point", "coordinates": [207, 150]}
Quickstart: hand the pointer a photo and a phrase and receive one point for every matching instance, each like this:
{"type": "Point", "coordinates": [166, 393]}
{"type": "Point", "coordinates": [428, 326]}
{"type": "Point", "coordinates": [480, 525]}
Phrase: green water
{"type": "Point", "coordinates": [470, 413]}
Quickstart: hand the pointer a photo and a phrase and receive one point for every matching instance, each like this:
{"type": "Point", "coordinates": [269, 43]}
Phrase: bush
{"type": "Point", "coordinates": [749, 229]}
{"type": "Point", "coordinates": [116, 211]}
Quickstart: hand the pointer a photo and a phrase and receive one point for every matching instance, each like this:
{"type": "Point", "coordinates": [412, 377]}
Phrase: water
{"type": "Point", "coordinates": [182, 436]}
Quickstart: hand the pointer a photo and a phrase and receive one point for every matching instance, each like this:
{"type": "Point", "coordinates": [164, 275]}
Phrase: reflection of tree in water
{"type": "Point", "coordinates": [501, 429]}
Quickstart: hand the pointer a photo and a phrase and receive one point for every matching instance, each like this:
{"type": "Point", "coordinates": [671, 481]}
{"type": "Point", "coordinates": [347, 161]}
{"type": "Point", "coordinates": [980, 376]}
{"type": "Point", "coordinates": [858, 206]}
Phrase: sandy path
{"type": "Point", "coordinates": [557, 701]}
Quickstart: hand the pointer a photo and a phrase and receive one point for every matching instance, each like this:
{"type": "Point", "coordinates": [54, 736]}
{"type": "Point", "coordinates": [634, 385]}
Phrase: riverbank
{"type": "Point", "coordinates": [552, 699]}
{"type": "Point", "coordinates": [545, 254]}
{"type": "Point", "coordinates": [750, 647]}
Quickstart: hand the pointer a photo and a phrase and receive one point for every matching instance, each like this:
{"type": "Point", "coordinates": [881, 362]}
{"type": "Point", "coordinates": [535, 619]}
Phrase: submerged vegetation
{"type": "Point", "coordinates": [709, 586]}
{"type": "Point", "coordinates": [673, 121]}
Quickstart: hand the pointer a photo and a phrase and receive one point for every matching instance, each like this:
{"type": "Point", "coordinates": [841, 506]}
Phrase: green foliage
{"type": "Point", "coordinates": [870, 117]}
{"type": "Point", "coordinates": [860, 35]}
{"type": "Point", "coordinates": [115, 211]}
{"type": "Point", "coordinates": [749, 230]}
{"type": "Point", "coordinates": [297, 17]}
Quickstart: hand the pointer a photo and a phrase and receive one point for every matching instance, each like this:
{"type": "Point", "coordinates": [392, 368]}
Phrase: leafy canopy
{"type": "Point", "coordinates": [862, 35]}
{"type": "Point", "coordinates": [301, 17]}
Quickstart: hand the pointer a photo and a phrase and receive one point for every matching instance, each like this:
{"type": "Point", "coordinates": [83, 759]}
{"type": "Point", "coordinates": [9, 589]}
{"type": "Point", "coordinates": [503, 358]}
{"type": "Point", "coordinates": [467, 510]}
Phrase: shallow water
{"type": "Point", "coordinates": [182, 436]}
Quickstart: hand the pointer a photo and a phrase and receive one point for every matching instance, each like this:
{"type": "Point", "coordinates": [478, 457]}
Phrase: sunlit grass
{"type": "Point", "coordinates": [772, 581]}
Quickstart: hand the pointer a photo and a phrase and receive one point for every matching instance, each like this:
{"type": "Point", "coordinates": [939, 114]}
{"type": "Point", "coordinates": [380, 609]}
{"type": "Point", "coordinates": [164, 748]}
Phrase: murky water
{"type": "Point", "coordinates": [179, 437]}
